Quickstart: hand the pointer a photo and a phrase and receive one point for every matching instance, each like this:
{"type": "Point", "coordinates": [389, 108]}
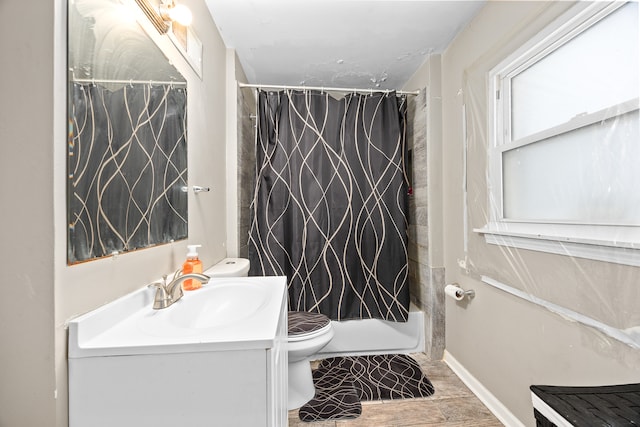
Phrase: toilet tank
{"type": "Point", "coordinates": [229, 267]}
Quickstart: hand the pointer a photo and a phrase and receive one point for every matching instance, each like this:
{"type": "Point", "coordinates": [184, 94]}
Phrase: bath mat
{"type": "Point", "coordinates": [335, 399]}
{"type": "Point", "coordinates": [343, 382]}
{"type": "Point", "coordinates": [384, 376]}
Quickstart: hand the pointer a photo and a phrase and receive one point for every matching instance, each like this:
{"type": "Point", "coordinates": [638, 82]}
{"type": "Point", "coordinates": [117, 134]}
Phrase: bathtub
{"type": "Point", "coordinates": [374, 336]}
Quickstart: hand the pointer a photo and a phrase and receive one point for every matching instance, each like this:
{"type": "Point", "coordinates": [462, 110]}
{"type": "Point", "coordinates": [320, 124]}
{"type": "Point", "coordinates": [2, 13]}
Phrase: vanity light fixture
{"type": "Point", "coordinates": [168, 11]}
{"type": "Point", "coordinates": [172, 11]}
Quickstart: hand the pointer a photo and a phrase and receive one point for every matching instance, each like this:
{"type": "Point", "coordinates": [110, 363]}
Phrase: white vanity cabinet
{"type": "Point", "coordinates": [121, 375]}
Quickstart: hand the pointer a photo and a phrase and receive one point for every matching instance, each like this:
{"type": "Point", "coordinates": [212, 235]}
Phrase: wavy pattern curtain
{"type": "Point", "coordinates": [330, 203]}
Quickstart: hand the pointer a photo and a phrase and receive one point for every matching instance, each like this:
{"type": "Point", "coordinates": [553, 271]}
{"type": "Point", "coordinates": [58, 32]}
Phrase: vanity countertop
{"type": "Point", "coordinates": [238, 313]}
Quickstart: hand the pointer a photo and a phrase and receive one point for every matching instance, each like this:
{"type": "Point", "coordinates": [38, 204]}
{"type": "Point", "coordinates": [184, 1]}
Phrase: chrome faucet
{"type": "Point", "coordinates": [168, 293]}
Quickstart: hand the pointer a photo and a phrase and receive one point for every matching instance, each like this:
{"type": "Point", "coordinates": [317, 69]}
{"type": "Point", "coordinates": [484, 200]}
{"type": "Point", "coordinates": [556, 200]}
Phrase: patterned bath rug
{"type": "Point", "coordinates": [343, 382]}
{"type": "Point", "coordinates": [336, 397]}
{"type": "Point", "coordinates": [384, 376]}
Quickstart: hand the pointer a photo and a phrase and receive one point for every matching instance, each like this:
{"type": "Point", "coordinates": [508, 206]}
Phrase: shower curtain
{"type": "Point", "coordinates": [127, 167]}
{"type": "Point", "coordinates": [330, 202]}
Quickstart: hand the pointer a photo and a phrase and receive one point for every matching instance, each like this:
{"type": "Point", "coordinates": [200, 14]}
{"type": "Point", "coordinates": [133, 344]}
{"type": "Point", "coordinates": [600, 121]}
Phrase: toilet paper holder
{"type": "Point", "coordinates": [469, 293]}
{"type": "Point", "coordinates": [454, 290]}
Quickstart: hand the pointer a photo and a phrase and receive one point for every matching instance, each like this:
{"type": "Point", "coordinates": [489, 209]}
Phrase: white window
{"type": "Point", "coordinates": [565, 132]}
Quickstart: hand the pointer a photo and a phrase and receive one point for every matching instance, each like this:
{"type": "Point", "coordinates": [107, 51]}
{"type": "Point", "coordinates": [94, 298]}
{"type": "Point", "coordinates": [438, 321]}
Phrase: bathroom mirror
{"type": "Point", "coordinates": [127, 138]}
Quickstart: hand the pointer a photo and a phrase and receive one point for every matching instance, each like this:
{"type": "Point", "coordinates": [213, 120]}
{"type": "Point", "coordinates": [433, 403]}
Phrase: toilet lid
{"type": "Point", "coordinates": [302, 324]}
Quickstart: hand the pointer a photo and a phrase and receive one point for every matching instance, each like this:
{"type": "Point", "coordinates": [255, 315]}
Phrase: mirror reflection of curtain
{"type": "Point", "coordinates": [127, 166]}
{"type": "Point", "coordinates": [330, 204]}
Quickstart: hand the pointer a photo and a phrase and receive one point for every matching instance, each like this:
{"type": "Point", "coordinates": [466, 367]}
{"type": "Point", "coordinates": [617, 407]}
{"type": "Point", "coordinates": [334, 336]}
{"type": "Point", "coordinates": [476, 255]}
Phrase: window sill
{"type": "Point", "coordinates": [589, 242]}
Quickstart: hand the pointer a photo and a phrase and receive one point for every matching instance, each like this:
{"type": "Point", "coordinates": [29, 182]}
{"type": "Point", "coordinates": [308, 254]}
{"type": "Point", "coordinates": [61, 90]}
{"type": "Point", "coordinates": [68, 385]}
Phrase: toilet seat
{"type": "Point", "coordinates": [302, 325]}
{"type": "Point", "coordinates": [310, 335]}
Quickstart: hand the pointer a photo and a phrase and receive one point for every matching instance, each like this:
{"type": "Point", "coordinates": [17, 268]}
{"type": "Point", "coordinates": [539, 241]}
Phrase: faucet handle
{"type": "Point", "coordinates": [157, 285]}
{"type": "Point", "coordinates": [161, 298]}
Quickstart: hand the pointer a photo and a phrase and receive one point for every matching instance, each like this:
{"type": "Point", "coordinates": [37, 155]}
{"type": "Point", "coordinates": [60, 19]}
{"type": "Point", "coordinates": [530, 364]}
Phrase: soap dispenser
{"type": "Point", "coordinates": [192, 265]}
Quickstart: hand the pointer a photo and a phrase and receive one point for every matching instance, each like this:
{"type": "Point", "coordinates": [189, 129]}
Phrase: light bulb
{"type": "Point", "coordinates": [181, 14]}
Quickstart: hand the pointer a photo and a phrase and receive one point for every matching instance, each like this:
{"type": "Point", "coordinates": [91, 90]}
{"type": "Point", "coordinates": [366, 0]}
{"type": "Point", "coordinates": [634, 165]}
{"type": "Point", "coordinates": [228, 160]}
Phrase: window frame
{"type": "Point", "coordinates": [615, 243]}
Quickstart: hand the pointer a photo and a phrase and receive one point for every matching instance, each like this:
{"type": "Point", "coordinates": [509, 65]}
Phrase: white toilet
{"type": "Point", "coordinates": [308, 334]}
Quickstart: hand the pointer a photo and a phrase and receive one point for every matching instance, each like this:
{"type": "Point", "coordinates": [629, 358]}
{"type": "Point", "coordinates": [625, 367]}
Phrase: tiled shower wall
{"type": "Point", "coordinates": [426, 280]}
{"type": "Point", "coordinates": [246, 166]}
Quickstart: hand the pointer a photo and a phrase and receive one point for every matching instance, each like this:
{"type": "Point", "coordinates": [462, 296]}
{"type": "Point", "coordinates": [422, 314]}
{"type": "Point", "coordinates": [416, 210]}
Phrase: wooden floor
{"type": "Point", "coordinates": [451, 405]}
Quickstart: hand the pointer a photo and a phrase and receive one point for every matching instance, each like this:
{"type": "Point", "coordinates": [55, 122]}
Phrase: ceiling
{"type": "Point", "coordinates": [364, 44]}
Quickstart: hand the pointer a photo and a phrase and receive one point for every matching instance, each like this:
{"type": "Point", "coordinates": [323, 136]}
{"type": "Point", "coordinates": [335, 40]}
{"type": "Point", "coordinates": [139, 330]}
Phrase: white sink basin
{"type": "Point", "coordinates": [218, 305]}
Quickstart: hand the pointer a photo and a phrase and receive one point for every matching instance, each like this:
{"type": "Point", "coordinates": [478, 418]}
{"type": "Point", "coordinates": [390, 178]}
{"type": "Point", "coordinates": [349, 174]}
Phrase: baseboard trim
{"type": "Point", "coordinates": [492, 403]}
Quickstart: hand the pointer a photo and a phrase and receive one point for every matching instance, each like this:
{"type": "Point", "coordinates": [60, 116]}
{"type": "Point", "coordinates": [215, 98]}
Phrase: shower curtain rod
{"type": "Point", "coordinates": [151, 82]}
{"type": "Point", "coordinates": [322, 88]}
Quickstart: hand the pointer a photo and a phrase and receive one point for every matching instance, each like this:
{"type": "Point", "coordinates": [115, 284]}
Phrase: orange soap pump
{"type": "Point", "coordinates": [192, 265]}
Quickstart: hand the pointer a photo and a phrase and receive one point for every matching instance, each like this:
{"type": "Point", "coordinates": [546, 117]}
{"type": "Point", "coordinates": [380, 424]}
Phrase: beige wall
{"type": "Point", "coordinates": [505, 342]}
{"type": "Point", "coordinates": [27, 365]}
{"type": "Point", "coordinates": [40, 292]}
